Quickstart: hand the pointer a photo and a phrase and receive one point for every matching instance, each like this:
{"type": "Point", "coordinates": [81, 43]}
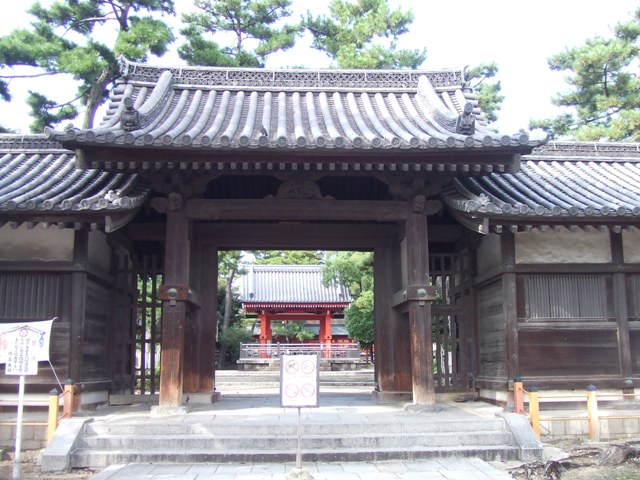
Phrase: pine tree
{"type": "Point", "coordinates": [603, 99]}
{"type": "Point", "coordinates": [255, 29]}
{"type": "Point", "coordinates": [63, 40]}
{"type": "Point", "coordinates": [364, 34]}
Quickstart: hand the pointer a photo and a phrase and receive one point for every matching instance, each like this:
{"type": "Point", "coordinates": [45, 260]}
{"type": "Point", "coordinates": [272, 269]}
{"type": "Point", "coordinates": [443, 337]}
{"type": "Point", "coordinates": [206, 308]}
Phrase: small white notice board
{"type": "Point", "coordinates": [299, 380]}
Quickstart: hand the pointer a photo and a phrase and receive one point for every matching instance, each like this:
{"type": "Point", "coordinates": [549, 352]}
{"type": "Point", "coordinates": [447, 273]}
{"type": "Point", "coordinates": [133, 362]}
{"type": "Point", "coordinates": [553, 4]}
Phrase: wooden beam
{"type": "Point", "coordinates": [252, 236]}
{"type": "Point", "coordinates": [295, 209]}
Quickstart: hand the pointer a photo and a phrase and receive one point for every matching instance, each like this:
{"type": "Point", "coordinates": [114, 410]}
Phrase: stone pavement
{"type": "Point", "coordinates": [445, 469]}
{"type": "Point", "coordinates": [333, 405]}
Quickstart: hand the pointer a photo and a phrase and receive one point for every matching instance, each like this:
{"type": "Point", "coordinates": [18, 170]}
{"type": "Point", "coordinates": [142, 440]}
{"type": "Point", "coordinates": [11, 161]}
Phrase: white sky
{"type": "Point", "coordinates": [519, 36]}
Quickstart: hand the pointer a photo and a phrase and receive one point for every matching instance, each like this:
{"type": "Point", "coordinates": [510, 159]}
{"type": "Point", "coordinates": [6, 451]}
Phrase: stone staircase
{"type": "Point", "coordinates": [324, 438]}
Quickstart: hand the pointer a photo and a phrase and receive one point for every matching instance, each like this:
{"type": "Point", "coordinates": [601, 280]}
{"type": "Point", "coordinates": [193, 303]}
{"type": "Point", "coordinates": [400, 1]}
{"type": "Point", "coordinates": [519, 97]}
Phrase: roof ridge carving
{"type": "Point", "coordinates": [28, 142]}
{"type": "Point", "coordinates": [301, 79]}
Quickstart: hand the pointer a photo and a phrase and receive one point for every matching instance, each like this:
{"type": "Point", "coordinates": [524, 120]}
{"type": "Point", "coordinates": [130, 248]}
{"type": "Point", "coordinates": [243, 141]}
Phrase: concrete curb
{"type": "Point", "coordinates": [529, 445]}
{"type": "Point", "coordinates": [57, 456]}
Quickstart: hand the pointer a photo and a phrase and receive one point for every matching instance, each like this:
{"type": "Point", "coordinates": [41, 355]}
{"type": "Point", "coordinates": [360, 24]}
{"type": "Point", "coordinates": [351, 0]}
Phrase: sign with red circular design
{"type": "Point", "coordinates": [299, 381]}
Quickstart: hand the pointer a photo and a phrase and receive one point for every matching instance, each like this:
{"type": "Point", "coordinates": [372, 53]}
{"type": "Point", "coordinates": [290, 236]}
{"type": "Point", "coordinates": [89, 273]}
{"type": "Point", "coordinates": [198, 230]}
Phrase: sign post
{"type": "Point", "coordinates": [299, 385]}
{"type": "Point", "coordinates": [22, 346]}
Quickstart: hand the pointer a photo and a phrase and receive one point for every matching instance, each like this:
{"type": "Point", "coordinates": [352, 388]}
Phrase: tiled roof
{"type": "Point", "coordinates": [39, 177]}
{"type": "Point", "coordinates": [581, 182]}
{"type": "Point", "coordinates": [208, 109]}
{"type": "Point", "coordinates": [280, 285]}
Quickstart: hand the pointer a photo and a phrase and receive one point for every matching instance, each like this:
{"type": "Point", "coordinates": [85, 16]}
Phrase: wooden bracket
{"type": "Point", "coordinates": [414, 293]}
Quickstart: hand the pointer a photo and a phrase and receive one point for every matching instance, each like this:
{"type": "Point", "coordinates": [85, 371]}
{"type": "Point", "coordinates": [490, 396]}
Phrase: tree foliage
{"type": "Point", "coordinates": [355, 270]}
{"type": "Point", "coordinates": [63, 40]}
{"type": "Point", "coordinates": [603, 97]}
{"type": "Point", "coordinates": [292, 330]}
{"type": "Point", "coordinates": [488, 92]}
{"type": "Point", "coordinates": [352, 269]}
{"type": "Point", "coordinates": [255, 27]}
{"type": "Point", "coordinates": [364, 34]}
{"type": "Point", "coordinates": [288, 257]}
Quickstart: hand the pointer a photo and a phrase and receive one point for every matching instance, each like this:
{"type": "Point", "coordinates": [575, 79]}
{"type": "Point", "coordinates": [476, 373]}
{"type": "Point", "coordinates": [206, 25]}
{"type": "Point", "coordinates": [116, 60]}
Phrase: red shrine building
{"type": "Point", "coordinates": [293, 293]}
{"type": "Point", "coordinates": [496, 254]}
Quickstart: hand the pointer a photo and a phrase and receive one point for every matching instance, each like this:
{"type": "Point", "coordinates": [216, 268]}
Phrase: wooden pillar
{"type": "Point", "coordinates": [78, 305]}
{"type": "Point", "coordinates": [620, 306]}
{"type": "Point", "coordinates": [417, 267]}
{"type": "Point", "coordinates": [326, 323]}
{"type": "Point", "coordinates": [392, 363]}
{"type": "Point", "coordinates": [265, 328]}
{"type": "Point", "coordinates": [174, 311]}
{"type": "Point", "coordinates": [200, 331]}
{"type": "Point", "coordinates": [509, 298]}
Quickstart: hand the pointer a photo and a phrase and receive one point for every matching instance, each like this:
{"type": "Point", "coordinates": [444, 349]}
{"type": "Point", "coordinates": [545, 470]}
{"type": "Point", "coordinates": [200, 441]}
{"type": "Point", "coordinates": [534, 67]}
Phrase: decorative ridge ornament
{"type": "Point", "coordinates": [466, 124]}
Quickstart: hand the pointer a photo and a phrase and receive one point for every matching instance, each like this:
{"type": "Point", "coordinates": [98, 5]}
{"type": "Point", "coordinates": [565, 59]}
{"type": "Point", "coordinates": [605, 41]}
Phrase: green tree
{"type": "Point", "coordinates": [228, 269]}
{"type": "Point", "coordinates": [231, 338]}
{"type": "Point", "coordinates": [63, 40]}
{"type": "Point", "coordinates": [291, 330]}
{"type": "Point", "coordinates": [288, 257]}
{"type": "Point", "coordinates": [355, 270]}
{"type": "Point", "coordinates": [488, 92]}
{"type": "Point", "coordinates": [352, 269]}
{"type": "Point", "coordinates": [364, 34]}
{"type": "Point", "coordinates": [359, 321]}
{"type": "Point", "coordinates": [603, 98]}
{"type": "Point", "coordinates": [257, 23]}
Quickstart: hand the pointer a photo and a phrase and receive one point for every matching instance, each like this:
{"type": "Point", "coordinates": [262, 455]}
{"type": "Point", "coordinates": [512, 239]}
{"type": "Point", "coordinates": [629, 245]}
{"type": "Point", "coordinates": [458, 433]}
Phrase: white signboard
{"type": "Point", "coordinates": [299, 380]}
{"type": "Point", "coordinates": [23, 345]}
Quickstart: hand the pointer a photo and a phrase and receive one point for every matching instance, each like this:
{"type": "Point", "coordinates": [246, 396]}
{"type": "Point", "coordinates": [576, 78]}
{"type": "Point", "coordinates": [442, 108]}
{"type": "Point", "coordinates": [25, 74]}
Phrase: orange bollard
{"type": "Point", "coordinates": [534, 410]}
{"type": "Point", "coordinates": [52, 420]}
{"type": "Point", "coordinates": [518, 395]}
{"type": "Point", "coordinates": [592, 410]}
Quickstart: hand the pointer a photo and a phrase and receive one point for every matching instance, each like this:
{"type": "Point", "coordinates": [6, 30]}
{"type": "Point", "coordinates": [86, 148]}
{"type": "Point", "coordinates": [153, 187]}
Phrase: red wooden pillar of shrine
{"type": "Point", "coordinates": [265, 328]}
{"type": "Point", "coordinates": [325, 328]}
{"type": "Point", "coordinates": [174, 293]}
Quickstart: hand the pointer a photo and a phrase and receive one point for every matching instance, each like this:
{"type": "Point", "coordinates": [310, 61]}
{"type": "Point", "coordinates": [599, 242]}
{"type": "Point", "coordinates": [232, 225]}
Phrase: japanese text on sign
{"type": "Point", "coordinates": [22, 345]}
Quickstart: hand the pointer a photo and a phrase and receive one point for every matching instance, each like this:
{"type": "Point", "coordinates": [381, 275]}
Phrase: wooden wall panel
{"type": "Point", "coordinates": [566, 352]}
{"type": "Point", "coordinates": [491, 331]}
{"type": "Point", "coordinates": [634, 335]}
{"type": "Point", "coordinates": [97, 314]}
{"type": "Point", "coordinates": [41, 296]}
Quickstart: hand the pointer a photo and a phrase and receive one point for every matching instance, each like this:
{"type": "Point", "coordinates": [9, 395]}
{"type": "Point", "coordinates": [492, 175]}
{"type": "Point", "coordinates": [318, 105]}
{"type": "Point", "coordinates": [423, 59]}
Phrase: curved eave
{"type": "Point", "coordinates": [39, 178]}
{"type": "Point", "coordinates": [346, 117]}
{"type": "Point", "coordinates": [555, 190]}
{"type": "Point", "coordinates": [292, 305]}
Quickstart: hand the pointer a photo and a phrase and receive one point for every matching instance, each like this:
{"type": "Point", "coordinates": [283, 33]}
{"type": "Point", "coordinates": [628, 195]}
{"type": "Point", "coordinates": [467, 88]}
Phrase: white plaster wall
{"type": "Point", "coordinates": [631, 246]}
{"type": "Point", "coordinates": [489, 254]}
{"type": "Point", "coordinates": [563, 246]}
{"type": "Point", "coordinates": [36, 244]}
{"type": "Point", "coordinates": [99, 251]}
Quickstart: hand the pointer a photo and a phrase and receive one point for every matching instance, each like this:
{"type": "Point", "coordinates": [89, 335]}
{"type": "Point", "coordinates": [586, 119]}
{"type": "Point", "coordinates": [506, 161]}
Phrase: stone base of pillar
{"type": "Point", "coordinates": [160, 410]}
{"type": "Point", "coordinates": [201, 398]}
{"type": "Point", "coordinates": [392, 397]}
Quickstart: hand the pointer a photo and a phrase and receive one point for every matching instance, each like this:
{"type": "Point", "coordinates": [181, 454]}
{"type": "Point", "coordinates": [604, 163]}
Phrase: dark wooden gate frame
{"type": "Point", "coordinates": [396, 231]}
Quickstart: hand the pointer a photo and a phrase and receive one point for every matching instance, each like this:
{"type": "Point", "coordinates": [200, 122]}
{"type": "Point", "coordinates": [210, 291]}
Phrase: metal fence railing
{"type": "Point", "coordinates": [275, 350]}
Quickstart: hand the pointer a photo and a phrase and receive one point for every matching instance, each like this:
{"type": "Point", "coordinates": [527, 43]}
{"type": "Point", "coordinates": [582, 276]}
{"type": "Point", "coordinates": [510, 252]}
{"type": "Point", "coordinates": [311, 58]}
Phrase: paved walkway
{"type": "Point", "coordinates": [459, 469]}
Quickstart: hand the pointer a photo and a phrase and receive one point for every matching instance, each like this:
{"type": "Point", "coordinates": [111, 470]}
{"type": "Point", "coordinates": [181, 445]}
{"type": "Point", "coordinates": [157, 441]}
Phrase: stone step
{"type": "Point", "coordinates": [250, 430]}
{"type": "Point", "coordinates": [97, 459]}
{"type": "Point", "coordinates": [373, 440]}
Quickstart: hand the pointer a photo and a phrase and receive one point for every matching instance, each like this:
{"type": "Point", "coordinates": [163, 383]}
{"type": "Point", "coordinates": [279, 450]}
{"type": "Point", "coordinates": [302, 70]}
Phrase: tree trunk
{"type": "Point", "coordinates": [95, 97]}
{"type": "Point", "coordinates": [226, 319]}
